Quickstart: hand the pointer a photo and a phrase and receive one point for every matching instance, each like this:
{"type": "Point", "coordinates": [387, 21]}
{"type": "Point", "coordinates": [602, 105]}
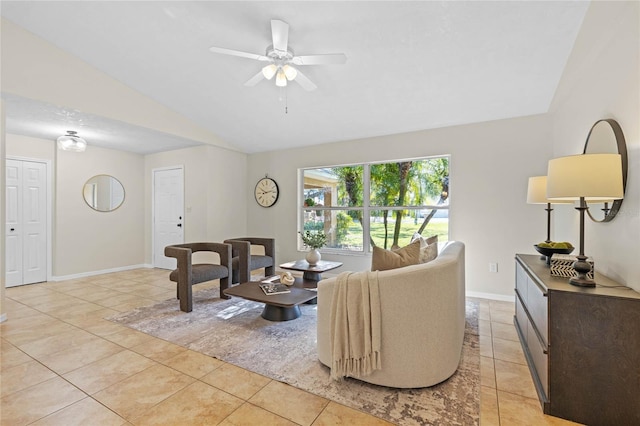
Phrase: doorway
{"type": "Point", "coordinates": [27, 222]}
{"type": "Point", "coordinates": [168, 213]}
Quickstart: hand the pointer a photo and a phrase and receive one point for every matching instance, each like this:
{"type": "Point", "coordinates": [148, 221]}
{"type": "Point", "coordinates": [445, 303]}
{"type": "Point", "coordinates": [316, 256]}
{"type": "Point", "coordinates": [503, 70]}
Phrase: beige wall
{"type": "Point", "coordinates": [86, 241]}
{"type": "Point", "coordinates": [27, 147]}
{"type": "Point", "coordinates": [214, 201]}
{"type": "Point", "coordinates": [490, 165]}
{"type": "Point", "coordinates": [602, 80]}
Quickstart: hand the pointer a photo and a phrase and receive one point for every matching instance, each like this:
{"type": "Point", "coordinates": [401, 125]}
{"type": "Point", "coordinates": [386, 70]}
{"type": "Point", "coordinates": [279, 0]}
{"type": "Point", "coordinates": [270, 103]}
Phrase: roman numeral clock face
{"type": "Point", "coordinates": [266, 192]}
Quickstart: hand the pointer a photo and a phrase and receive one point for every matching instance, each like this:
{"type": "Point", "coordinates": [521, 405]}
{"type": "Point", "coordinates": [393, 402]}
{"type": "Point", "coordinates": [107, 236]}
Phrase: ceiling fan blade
{"type": "Point", "coordinates": [232, 52]}
{"type": "Point", "coordinates": [280, 35]}
{"type": "Point", "coordinates": [328, 59]}
{"type": "Point", "coordinates": [255, 79]}
{"type": "Point", "coordinates": [303, 81]}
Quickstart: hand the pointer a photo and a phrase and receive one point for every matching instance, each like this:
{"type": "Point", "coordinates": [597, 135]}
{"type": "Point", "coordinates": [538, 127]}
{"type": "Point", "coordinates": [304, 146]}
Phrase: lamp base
{"type": "Point", "coordinates": [582, 282]}
{"type": "Point", "coordinates": [582, 267]}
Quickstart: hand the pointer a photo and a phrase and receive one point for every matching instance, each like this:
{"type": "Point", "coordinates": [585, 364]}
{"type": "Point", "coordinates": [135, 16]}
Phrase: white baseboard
{"type": "Point", "coordinates": [103, 271]}
{"type": "Point", "coordinates": [491, 296]}
{"type": "Point", "coordinates": [3, 317]}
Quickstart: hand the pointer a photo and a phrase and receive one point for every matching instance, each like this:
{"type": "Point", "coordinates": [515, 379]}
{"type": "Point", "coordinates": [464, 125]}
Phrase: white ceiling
{"type": "Point", "coordinates": [411, 65]}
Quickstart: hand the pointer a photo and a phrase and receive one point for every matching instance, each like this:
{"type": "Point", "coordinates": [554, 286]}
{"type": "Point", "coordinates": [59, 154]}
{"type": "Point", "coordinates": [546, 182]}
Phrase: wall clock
{"type": "Point", "coordinates": [266, 192]}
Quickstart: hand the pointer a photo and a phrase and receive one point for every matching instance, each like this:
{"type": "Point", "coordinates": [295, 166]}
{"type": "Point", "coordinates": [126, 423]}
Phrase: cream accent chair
{"type": "Point", "coordinates": [423, 321]}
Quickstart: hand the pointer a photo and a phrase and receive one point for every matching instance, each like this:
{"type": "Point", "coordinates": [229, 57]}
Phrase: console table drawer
{"type": "Point", "coordinates": [521, 317]}
{"type": "Point", "coordinates": [539, 356]}
{"type": "Point", "coordinates": [538, 308]}
{"type": "Point", "coordinates": [521, 281]}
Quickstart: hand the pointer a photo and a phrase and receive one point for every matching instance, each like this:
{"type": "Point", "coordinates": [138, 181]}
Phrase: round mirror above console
{"type": "Point", "coordinates": [606, 136]}
{"type": "Point", "coordinates": [103, 193]}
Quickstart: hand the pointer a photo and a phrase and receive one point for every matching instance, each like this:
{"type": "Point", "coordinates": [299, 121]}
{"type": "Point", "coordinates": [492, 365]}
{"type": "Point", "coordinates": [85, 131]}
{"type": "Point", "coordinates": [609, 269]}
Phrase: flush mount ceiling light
{"type": "Point", "coordinates": [72, 142]}
{"type": "Point", "coordinates": [281, 59]}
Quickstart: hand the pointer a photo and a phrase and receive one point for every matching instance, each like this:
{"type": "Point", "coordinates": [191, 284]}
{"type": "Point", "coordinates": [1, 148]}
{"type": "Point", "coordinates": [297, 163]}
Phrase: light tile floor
{"type": "Point", "coordinates": [62, 363]}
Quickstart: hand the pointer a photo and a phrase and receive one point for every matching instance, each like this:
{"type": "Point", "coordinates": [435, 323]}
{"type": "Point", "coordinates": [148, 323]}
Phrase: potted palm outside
{"type": "Point", "coordinates": [314, 240]}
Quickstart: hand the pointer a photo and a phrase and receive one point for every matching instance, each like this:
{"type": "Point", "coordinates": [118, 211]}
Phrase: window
{"type": "Point", "coordinates": [402, 197]}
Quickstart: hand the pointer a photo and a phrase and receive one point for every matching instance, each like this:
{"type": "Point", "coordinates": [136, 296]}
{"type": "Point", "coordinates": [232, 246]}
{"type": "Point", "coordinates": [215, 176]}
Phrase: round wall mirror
{"type": "Point", "coordinates": [103, 193]}
{"type": "Point", "coordinates": [606, 136]}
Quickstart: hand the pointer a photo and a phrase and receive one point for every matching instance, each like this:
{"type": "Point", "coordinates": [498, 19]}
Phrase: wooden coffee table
{"type": "Point", "coordinates": [311, 273]}
{"type": "Point", "coordinates": [278, 307]}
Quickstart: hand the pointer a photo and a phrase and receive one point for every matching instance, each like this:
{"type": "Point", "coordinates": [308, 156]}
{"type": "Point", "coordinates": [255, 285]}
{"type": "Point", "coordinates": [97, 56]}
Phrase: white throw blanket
{"type": "Point", "coordinates": [355, 325]}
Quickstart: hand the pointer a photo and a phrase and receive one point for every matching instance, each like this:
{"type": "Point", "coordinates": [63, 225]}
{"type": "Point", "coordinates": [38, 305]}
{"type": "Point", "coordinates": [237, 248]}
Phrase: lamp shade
{"type": "Point", "coordinates": [269, 71]}
{"type": "Point", "coordinates": [281, 79]}
{"type": "Point", "coordinates": [595, 177]}
{"type": "Point", "coordinates": [537, 192]}
{"type": "Point", "coordinates": [290, 72]}
{"type": "Point", "coordinates": [71, 142]}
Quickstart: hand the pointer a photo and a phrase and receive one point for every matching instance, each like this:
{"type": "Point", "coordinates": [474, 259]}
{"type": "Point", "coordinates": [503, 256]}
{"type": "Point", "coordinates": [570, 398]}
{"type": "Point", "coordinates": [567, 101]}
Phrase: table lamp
{"type": "Point", "coordinates": [537, 194]}
{"type": "Point", "coordinates": [584, 178]}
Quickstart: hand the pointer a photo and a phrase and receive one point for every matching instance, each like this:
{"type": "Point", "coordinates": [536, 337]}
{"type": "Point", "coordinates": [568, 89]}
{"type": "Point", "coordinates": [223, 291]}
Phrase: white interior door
{"type": "Point", "coordinates": [26, 222]}
{"type": "Point", "coordinates": [168, 214]}
{"type": "Point", "coordinates": [13, 231]}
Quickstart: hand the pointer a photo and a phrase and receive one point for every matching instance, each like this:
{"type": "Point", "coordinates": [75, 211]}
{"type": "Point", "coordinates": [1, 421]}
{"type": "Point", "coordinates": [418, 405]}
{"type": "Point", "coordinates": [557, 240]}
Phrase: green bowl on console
{"type": "Point", "coordinates": [548, 251]}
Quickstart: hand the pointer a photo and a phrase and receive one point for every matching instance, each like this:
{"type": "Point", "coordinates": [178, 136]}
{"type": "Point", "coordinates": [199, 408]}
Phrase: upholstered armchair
{"type": "Point", "coordinates": [422, 320]}
{"type": "Point", "coordinates": [187, 274]}
{"type": "Point", "coordinates": [243, 261]}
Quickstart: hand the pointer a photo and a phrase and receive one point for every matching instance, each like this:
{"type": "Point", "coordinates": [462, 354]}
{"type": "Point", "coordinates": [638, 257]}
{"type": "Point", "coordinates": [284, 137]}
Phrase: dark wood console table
{"type": "Point", "coordinates": [582, 344]}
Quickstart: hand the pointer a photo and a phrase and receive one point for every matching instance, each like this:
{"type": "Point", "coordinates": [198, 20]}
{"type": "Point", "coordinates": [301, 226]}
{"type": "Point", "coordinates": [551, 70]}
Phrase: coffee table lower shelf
{"type": "Point", "coordinates": [278, 307]}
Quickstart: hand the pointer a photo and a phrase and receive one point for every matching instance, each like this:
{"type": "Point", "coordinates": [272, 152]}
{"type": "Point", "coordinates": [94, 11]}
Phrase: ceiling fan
{"type": "Point", "coordinates": [281, 61]}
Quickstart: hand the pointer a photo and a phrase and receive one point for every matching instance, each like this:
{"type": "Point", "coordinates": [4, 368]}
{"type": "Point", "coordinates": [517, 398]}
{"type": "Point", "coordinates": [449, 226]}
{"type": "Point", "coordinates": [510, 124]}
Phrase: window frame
{"type": "Point", "coordinates": [366, 207]}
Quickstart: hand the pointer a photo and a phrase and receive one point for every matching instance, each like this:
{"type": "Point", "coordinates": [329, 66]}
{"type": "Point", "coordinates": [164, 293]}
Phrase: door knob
{"type": "Point", "coordinates": [12, 229]}
{"type": "Point", "coordinates": [179, 225]}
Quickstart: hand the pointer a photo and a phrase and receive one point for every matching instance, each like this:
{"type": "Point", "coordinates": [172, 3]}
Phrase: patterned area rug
{"type": "Point", "coordinates": [233, 330]}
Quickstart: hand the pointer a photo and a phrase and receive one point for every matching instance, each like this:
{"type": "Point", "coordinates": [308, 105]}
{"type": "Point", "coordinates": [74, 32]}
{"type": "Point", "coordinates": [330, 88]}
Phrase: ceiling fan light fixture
{"type": "Point", "coordinates": [269, 71]}
{"type": "Point", "coordinates": [71, 142]}
{"type": "Point", "coordinates": [281, 79]}
{"type": "Point", "coordinates": [290, 72]}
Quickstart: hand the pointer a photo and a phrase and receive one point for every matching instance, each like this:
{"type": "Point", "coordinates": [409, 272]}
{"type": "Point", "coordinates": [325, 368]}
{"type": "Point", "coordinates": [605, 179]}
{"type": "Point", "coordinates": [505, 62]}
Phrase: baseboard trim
{"type": "Point", "coordinates": [103, 271]}
{"type": "Point", "coordinates": [3, 317]}
{"type": "Point", "coordinates": [491, 296]}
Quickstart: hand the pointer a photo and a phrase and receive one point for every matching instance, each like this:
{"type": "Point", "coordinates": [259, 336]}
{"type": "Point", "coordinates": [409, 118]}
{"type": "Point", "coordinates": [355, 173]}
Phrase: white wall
{"type": "Point", "coordinates": [602, 80]}
{"type": "Point", "coordinates": [490, 165]}
{"type": "Point", "coordinates": [36, 69]}
{"type": "Point", "coordinates": [214, 181]}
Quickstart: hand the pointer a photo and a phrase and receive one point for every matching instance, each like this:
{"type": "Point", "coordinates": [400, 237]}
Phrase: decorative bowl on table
{"type": "Point", "coordinates": [548, 249]}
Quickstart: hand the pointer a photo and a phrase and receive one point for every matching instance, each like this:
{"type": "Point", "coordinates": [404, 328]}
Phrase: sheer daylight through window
{"type": "Point", "coordinates": [402, 198]}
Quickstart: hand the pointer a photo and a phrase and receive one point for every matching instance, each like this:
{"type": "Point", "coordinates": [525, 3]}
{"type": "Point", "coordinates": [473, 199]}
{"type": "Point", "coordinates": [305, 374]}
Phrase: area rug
{"type": "Point", "coordinates": [233, 331]}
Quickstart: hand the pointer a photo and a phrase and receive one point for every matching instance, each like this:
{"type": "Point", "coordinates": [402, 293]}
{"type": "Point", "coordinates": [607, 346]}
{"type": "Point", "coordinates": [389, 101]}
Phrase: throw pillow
{"type": "Point", "coordinates": [383, 260]}
{"type": "Point", "coordinates": [428, 247]}
{"type": "Point", "coordinates": [428, 253]}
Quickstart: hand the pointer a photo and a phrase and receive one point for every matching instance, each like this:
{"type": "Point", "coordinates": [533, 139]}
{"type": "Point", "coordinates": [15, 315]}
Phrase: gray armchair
{"type": "Point", "coordinates": [187, 274]}
{"type": "Point", "coordinates": [243, 262]}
